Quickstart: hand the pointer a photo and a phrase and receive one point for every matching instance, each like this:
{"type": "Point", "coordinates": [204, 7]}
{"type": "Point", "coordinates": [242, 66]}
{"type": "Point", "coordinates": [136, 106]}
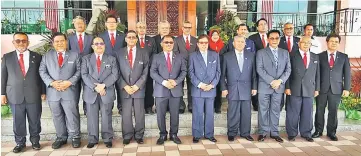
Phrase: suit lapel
{"type": "Point", "coordinates": [102, 64]}
{"type": "Point", "coordinates": [66, 56]}
{"type": "Point", "coordinates": [270, 54]}
{"type": "Point", "coordinates": [86, 41]}
{"type": "Point", "coordinates": [183, 43]}
{"type": "Point", "coordinates": [55, 59]}
{"type": "Point", "coordinates": [235, 61]}
{"type": "Point", "coordinates": [311, 64]}
{"type": "Point", "coordinates": [126, 58]}
{"type": "Point", "coordinates": [337, 59]}
{"type": "Point", "coordinates": [93, 64]}
{"type": "Point", "coordinates": [17, 66]}
{"type": "Point", "coordinates": [295, 43]}
{"type": "Point", "coordinates": [75, 40]}
{"type": "Point", "coordinates": [31, 61]}
{"type": "Point", "coordinates": [210, 60]}
{"type": "Point", "coordinates": [107, 39]}
{"type": "Point", "coordinates": [200, 58]}
{"type": "Point", "coordinates": [300, 66]}
{"type": "Point", "coordinates": [137, 59]}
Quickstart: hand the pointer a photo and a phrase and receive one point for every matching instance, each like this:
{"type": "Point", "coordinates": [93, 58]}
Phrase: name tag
{"type": "Point", "coordinates": [314, 61]}
{"type": "Point", "coordinates": [140, 62]}
{"type": "Point", "coordinates": [248, 48]}
{"type": "Point", "coordinates": [70, 61]}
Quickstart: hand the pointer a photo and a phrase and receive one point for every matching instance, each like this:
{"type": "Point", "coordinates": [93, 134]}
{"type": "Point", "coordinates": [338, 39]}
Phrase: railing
{"type": "Point", "coordinates": [340, 21]}
{"type": "Point", "coordinates": [32, 20]}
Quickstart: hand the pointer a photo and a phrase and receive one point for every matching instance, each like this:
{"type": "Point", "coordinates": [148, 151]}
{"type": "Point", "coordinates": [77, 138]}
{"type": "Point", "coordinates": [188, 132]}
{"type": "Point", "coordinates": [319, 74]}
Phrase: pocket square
{"type": "Point", "coordinates": [314, 61]}
{"type": "Point", "coordinates": [107, 66]}
{"type": "Point", "coordinates": [70, 61]}
{"type": "Point", "coordinates": [140, 62]}
{"type": "Point", "coordinates": [248, 48]}
{"type": "Point", "coordinates": [214, 61]}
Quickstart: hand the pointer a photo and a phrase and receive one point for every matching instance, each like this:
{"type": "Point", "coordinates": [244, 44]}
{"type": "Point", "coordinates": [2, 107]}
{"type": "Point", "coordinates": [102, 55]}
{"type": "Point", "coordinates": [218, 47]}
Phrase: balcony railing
{"type": "Point", "coordinates": [32, 20]}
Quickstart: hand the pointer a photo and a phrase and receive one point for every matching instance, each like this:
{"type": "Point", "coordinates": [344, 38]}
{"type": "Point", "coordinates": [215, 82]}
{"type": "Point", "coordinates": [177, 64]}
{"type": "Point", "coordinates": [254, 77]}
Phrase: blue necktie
{"type": "Point", "coordinates": [240, 61]}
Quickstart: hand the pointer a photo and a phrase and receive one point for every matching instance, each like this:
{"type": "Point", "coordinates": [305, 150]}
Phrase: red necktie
{"type": "Point", "coordinates": [112, 39]}
{"type": "Point", "coordinates": [80, 42]}
{"type": "Point", "coordinates": [169, 65]}
{"type": "Point", "coordinates": [188, 45]}
{"type": "Point", "coordinates": [141, 42]}
{"type": "Point", "coordinates": [60, 59]}
{"type": "Point", "coordinates": [289, 44]}
{"type": "Point", "coordinates": [305, 59]}
{"type": "Point", "coordinates": [332, 61]}
{"type": "Point", "coordinates": [263, 42]}
{"type": "Point", "coordinates": [98, 63]}
{"type": "Point", "coordinates": [21, 63]}
{"type": "Point", "coordinates": [130, 57]}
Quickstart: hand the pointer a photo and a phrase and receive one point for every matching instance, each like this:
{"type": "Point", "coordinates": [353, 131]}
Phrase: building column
{"type": "Point", "coordinates": [228, 5]}
{"type": "Point", "coordinates": [97, 6]}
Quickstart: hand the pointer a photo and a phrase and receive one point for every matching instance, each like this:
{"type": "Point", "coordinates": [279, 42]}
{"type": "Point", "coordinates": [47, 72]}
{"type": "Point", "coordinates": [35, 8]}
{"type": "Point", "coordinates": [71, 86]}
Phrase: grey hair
{"type": "Point", "coordinates": [287, 23]}
{"type": "Point", "coordinates": [80, 18]}
{"type": "Point", "coordinates": [238, 36]}
{"type": "Point", "coordinates": [139, 23]}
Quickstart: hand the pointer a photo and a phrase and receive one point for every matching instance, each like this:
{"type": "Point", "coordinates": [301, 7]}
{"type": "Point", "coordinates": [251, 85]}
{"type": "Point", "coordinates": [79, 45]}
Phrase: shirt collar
{"type": "Point", "coordinates": [185, 37]}
{"type": "Point", "coordinates": [303, 52]}
{"type": "Point", "coordinates": [26, 52]}
{"type": "Point", "coordinates": [82, 34]}
{"type": "Point", "coordinates": [328, 53]}
{"type": "Point", "coordinates": [96, 55]}
{"type": "Point", "coordinates": [239, 52]}
{"type": "Point", "coordinates": [63, 52]}
{"type": "Point", "coordinates": [115, 32]}
{"type": "Point", "coordinates": [166, 54]}
{"type": "Point", "coordinates": [134, 48]}
{"type": "Point", "coordinates": [203, 52]}
{"type": "Point", "coordinates": [141, 36]}
{"type": "Point", "coordinates": [273, 49]}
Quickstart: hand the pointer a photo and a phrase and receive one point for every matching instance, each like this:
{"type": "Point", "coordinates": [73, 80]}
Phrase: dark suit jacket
{"type": "Point", "coordinates": [149, 46]}
{"type": "Point", "coordinates": [74, 46]}
{"type": "Point", "coordinates": [15, 86]}
{"type": "Point", "coordinates": [119, 42]}
{"type": "Point", "coordinates": [257, 41]}
{"type": "Point", "coordinates": [159, 72]}
{"type": "Point", "coordinates": [339, 77]}
{"type": "Point", "coordinates": [239, 85]}
{"type": "Point", "coordinates": [304, 82]}
{"type": "Point", "coordinates": [180, 46]}
{"type": "Point", "coordinates": [199, 72]}
{"type": "Point", "coordinates": [229, 47]}
{"type": "Point", "coordinates": [108, 75]}
{"type": "Point", "coordinates": [283, 44]}
{"type": "Point", "coordinates": [158, 40]}
{"type": "Point", "coordinates": [133, 76]}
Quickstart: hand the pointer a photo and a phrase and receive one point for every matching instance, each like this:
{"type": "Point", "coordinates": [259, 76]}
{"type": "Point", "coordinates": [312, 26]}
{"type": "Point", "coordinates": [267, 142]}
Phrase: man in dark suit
{"type": "Point", "coordinates": [23, 89]}
{"type": "Point", "coordinates": [260, 42]}
{"type": "Point", "coordinates": [273, 68]}
{"type": "Point", "coordinates": [60, 71]}
{"type": "Point", "coordinates": [133, 64]}
{"type": "Point", "coordinates": [80, 41]}
{"type": "Point", "coordinates": [163, 29]}
{"type": "Point", "coordinates": [335, 80]}
{"type": "Point", "coordinates": [168, 70]}
{"type": "Point", "coordinates": [186, 44]}
{"type": "Point", "coordinates": [239, 83]}
{"type": "Point", "coordinates": [204, 73]}
{"type": "Point", "coordinates": [99, 73]}
{"type": "Point", "coordinates": [148, 44]}
{"type": "Point", "coordinates": [302, 86]}
{"type": "Point", "coordinates": [114, 40]}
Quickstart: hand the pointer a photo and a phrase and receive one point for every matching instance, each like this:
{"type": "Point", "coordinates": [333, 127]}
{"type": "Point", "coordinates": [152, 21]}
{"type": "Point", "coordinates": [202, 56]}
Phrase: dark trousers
{"type": "Point", "coordinates": [203, 117]}
{"type": "Point", "coordinates": [255, 102]}
{"type": "Point", "coordinates": [20, 113]}
{"type": "Point", "coordinates": [189, 96]}
{"type": "Point", "coordinates": [118, 89]}
{"type": "Point", "coordinates": [239, 117]}
{"type": "Point", "coordinates": [136, 104]}
{"type": "Point", "coordinates": [299, 116]}
{"type": "Point", "coordinates": [285, 101]}
{"type": "Point", "coordinates": [218, 99]}
{"type": "Point", "coordinates": [332, 101]}
{"type": "Point", "coordinates": [149, 99]}
{"type": "Point", "coordinates": [173, 103]}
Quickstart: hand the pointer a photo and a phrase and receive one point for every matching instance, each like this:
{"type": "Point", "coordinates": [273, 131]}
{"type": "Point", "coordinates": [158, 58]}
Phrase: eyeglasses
{"type": "Point", "coordinates": [131, 37]}
{"type": "Point", "coordinates": [168, 42]}
{"type": "Point", "coordinates": [187, 27]}
{"type": "Point", "coordinates": [23, 41]}
{"type": "Point", "coordinates": [99, 44]}
{"type": "Point", "coordinates": [271, 38]}
{"type": "Point", "coordinates": [111, 22]}
{"type": "Point", "coordinates": [203, 42]}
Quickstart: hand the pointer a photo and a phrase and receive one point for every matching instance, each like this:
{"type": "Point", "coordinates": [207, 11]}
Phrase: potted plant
{"type": "Point", "coordinates": [100, 23]}
{"type": "Point", "coordinates": [226, 24]}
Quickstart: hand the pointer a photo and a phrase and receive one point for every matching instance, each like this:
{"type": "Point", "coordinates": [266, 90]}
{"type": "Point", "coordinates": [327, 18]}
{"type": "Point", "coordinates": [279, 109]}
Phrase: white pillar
{"type": "Point", "coordinates": [97, 6]}
{"type": "Point", "coordinates": [228, 5]}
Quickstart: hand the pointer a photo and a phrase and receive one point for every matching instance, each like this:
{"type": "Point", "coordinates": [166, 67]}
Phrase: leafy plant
{"type": "Point", "coordinates": [100, 24]}
{"type": "Point", "coordinates": [47, 46]}
{"type": "Point", "coordinates": [5, 110]}
{"type": "Point", "coordinates": [351, 107]}
{"type": "Point", "coordinates": [226, 24]}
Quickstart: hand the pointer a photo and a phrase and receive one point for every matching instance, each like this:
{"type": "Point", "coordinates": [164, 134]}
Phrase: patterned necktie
{"type": "Point", "coordinates": [305, 59]}
{"type": "Point", "coordinates": [263, 42]}
{"type": "Point", "coordinates": [240, 61]}
{"type": "Point", "coordinates": [21, 63]}
{"type": "Point", "coordinates": [275, 56]}
{"type": "Point", "coordinates": [112, 39]}
{"type": "Point", "coordinates": [188, 45]}
{"type": "Point", "coordinates": [130, 57]}
{"type": "Point", "coordinates": [60, 59]}
{"type": "Point", "coordinates": [98, 64]}
{"type": "Point", "coordinates": [142, 42]}
{"type": "Point", "coordinates": [289, 44]}
{"type": "Point", "coordinates": [169, 64]}
{"type": "Point", "coordinates": [80, 42]}
{"type": "Point", "coordinates": [332, 60]}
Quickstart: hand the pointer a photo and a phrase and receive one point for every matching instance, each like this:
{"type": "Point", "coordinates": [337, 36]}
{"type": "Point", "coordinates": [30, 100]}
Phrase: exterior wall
{"type": "Point", "coordinates": [7, 45]}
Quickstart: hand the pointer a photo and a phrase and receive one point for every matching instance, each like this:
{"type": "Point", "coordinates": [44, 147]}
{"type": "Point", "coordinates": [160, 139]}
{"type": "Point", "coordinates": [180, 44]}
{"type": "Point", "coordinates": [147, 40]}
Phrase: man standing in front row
{"type": "Point", "coordinates": [302, 86]}
{"type": "Point", "coordinates": [99, 73]}
{"type": "Point", "coordinates": [60, 71]}
{"type": "Point", "coordinates": [273, 68]}
{"type": "Point", "coordinates": [239, 83]}
{"type": "Point", "coordinates": [335, 74]}
{"type": "Point", "coordinates": [133, 64]}
{"type": "Point", "coordinates": [168, 70]}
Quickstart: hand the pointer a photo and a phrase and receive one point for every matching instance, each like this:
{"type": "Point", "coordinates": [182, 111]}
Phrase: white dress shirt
{"type": "Point", "coordinates": [291, 40]}
{"type": "Point", "coordinates": [265, 37]}
{"type": "Point", "coordinates": [96, 56]}
{"type": "Point", "coordinates": [26, 57]}
{"type": "Point", "coordinates": [204, 56]}
{"type": "Point", "coordinates": [185, 39]}
{"type": "Point", "coordinates": [134, 54]}
{"type": "Point", "coordinates": [308, 57]}
{"type": "Point", "coordinates": [82, 36]}
{"type": "Point", "coordinates": [166, 56]}
{"type": "Point", "coordinates": [110, 36]}
{"type": "Point", "coordinates": [329, 56]}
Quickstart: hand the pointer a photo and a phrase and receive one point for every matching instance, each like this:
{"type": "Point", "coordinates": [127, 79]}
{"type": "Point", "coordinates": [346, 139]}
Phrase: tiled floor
{"type": "Point", "coordinates": [349, 144]}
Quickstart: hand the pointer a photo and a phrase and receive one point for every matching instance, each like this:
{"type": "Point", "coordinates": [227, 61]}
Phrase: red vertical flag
{"type": "Point", "coordinates": [267, 7]}
{"type": "Point", "coordinates": [51, 14]}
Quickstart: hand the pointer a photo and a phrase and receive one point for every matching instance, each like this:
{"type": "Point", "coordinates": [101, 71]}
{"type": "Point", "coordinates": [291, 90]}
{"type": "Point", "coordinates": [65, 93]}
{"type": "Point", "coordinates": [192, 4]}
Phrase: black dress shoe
{"type": "Point", "coordinates": [249, 138]}
{"type": "Point", "coordinates": [175, 139]}
{"type": "Point", "coordinates": [120, 112]}
{"type": "Point", "coordinates": [218, 111]}
{"type": "Point", "coordinates": [333, 137]}
{"type": "Point", "coordinates": [291, 138]}
{"type": "Point", "coordinates": [108, 144]}
{"type": "Point", "coordinates": [261, 138]}
{"type": "Point", "coordinates": [277, 138]}
{"type": "Point", "coordinates": [126, 141]}
{"type": "Point", "coordinates": [255, 108]}
{"type": "Point", "coordinates": [18, 148]}
{"type": "Point", "coordinates": [91, 145]}
{"type": "Point", "coordinates": [316, 134]}
{"type": "Point", "coordinates": [139, 141]}
{"type": "Point", "coordinates": [58, 143]}
{"type": "Point", "coordinates": [212, 139]}
{"type": "Point", "coordinates": [161, 140]}
{"type": "Point", "coordinates": [230, 138]}
{"type": "Point", "coordinates": [36, 146]}
{"type": "Point", "coordinates": [181, 111]}
{"type": "Point", "coordinates": [76, 143]}
{"type": "Point", "coordinates": [190, 110]}
{"type": "Point", "coordinates": [196, 140]}
{"type": "Point", "coordinates": [309, 139]}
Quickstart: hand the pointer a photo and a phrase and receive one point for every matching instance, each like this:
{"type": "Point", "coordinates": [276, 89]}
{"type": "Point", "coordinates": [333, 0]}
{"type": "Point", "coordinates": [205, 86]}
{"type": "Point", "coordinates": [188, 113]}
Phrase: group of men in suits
{"type": "Point", "coordinates": [128, 67]}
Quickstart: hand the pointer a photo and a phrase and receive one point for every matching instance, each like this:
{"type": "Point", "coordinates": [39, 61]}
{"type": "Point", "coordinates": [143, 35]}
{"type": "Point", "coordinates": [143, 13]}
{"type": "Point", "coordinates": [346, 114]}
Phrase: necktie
{"type": "Point", "coordinates": [289, 44]}
{"type": "Point", "coordinates": [130, 57]}
{"type": "Point", "coordinates": [275, 56]}
{"type": "Point", "coordinates": [80, 42]}
{"type": "Point", "coordinates": [141, 42]}
{"type": "Point", "coordinates": [169, 65]}
{"type": "Point", "coordinates": [188, 45]}
{"type": "Point", "coordinates": [98, 63]}
{"type": "Point", "coordinates": [305, 59]}
{"type": "Point", "coordinates": [332, 60]}
{"type": "Point", "coordinates": [60, 59]}
{"type": "Point", "coordinates": [240, 61]}
{"type": "Point", "coordinates": [263, 42]}
{"type": "Point", "coordinates": [21, 63]}
{"type": "Point", "coordinates": [112, 39]}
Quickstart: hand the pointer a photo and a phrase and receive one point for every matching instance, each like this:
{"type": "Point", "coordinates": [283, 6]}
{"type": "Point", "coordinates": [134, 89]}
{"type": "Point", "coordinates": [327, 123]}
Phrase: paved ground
{"type": "Point", "coordinates": [349, 144]}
